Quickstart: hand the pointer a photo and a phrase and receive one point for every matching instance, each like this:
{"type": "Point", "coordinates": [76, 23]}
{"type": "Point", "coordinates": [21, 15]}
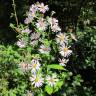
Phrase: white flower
{"type": "Point", "coordinates": [44, 50]}
{"type": "Point", "coordinates": [21, 43]}
{"type": "Point", "coordinates": [53, 22]}
{"type": "Point", "coordinates": [55, 28]}
{"type": "Point", "coordinates": [35, 36]}
{"type": "Point", "coordinates": [41, 24]}
{"type": "Point", "coordinates": [31, 14]}
{"type": "Point", "coordinates": [28, 20]}
{"type": "Point", "coordinates": [37, 80]}
{"type": "Point", "coordinates": [63, 62]}
{"type": "Point", "coordinates": [34, 66]}
{"type": "Point", "coordinates": [65, 51]}
{"type": "Point", "coordinates": [61, 38]}
{"type": "Point", "coordinates": [51, 80]}
{"type": "Point", "coordinates": [42, 8]}
{"type": "Point", "coordinates": [24, 66]}
{"type": "Point", "coordinates": [33, 8]}
{"type": "Point", "coordinates": [27, 30]}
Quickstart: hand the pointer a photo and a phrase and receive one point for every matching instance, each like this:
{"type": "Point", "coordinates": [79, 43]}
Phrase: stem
{"type": "Point", "coordinates": [15, 13]}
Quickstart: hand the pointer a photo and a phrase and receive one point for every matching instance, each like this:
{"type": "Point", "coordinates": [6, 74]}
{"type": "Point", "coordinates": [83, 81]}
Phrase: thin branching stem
{"type": "Point", "coordinates": [15, 13]}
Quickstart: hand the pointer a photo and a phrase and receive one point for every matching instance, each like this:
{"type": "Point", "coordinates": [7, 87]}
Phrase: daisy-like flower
{"type": "Point", "coordinates": [51, 80]}
{"type": "Point", "coordinates": [37, 80]}
{"type": "Point", "coordinates": [61, 38]}
{"type": "Point", "coordinates": [34, 38]}
{"type": "Point", "coordinates": [28, 20]}
{"type": "Point", "coordinates": [33, 8]}
{"type": "Point", "coordinates": [53, 22]}
{"type": "Point", "coordinates": [55, 28]}
{"type": "Point", "coordinates": [44, 50]}
{"type": "Point", "coordinates": [34, 66]}
{"type": "Point", "coordinates": [23, 66]}
{"type": "Point", "coordinates": [31, 14]}
{"type": "Point", "coordinates": [41, 24]}
{"type": "Point", "coordinates": [63, 62]}
{"type": "Point", "coordinates": [42, 8]}
{"type": "Point", "coordinates": [27, 30]}
{"type": "Point", "coordinates": [21, 43]}
{"type": "Point", "coordinates": [65, 51]}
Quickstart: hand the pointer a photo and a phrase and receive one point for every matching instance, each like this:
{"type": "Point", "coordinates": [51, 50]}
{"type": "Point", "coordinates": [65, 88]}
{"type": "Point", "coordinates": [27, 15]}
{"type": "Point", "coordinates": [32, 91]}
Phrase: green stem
{"type": "Point", "coordinates": [15, 13]}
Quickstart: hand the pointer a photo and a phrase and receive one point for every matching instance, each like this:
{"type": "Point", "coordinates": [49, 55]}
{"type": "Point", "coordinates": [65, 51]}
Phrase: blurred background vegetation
{"type": "Point", "coordinates": [76, 16]}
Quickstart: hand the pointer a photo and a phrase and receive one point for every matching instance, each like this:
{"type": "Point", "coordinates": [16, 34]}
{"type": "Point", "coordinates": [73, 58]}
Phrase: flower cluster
{"type": "Point", "coordinates": [64, 50]}
{"type": "Point", "coordinates": [37, 40]}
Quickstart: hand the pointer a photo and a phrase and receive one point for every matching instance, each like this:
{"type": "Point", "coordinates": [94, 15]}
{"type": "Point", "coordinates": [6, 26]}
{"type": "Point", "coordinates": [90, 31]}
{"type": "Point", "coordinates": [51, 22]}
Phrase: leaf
{"type": "Point", "coordinates": [49, 89]}
{"type": "Point", "coordinates": [59, 84]}
{"type": "Point", "coordinates": [55, 66]}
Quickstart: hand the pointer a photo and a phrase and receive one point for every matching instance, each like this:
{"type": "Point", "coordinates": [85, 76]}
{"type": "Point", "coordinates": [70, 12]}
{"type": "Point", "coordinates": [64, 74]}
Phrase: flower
{"type": "Point", "coordinates": [63, 61]}
{"type": "Point", "coordinates": [44, 50]}
{"type": "Point", "coordinates": [53, 22]}
{"type": "Point", "coordinates": [51, 80]}
{"type": "Point", "coordinates": [21, 43]}
{"type": "Point", "coordinates": [41, 24]}
{"type": "Point", "coordinates": [28, 20]}
{"type": "Point", "coordinates": [34, 66]}
{"type": "Point", "coordinates": [37, 80]}
{"type": "Point", "coordinates": [27, 30]}
{"type": "Point", "coordinates": [24, 66]}
{"type": "Point", "coordinates": [31, 14]}
{"type": "Point", "coordinates": [34, 38]}
{"type": "Point", "coordinates": [42, 8]}
{"type": "Point", "coordinates": [61, 38]}
{"type": "Point", "coordinates": [33, 8]}
{"type": "Point", "coordinates": [65, 51]}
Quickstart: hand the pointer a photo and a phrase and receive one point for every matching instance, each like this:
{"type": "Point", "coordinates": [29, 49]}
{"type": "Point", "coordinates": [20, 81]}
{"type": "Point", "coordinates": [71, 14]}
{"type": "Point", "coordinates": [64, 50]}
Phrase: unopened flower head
{"type": "Point", "coordinates": [37, 80]}
{"type": "Point", "coordinates": [65, 51]}
{"type": "Point", "coordinates": [44, 50]}
{"type": "Point", "coordinates": [51, 80]}
{"type": "Point", "coordinates": [21, 43]}
{"type": "Point", "coordinates": [42, 8]}
{"type": "Point", "coordinates": [63, 62]}
{"type": "Point", "coordinates": [34, 66]}
{"type": "Point", "coordinates": [41, 24]}
{"type": "Point", "coordinates": [61, 38]}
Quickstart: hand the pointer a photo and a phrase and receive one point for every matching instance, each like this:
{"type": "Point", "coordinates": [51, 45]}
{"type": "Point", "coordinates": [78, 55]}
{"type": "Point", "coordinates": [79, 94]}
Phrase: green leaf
{"type": "Point", "coordinates": [49, 89]}
{"type": "Point", "coordinates": [59, 84]}
{"type": "Point", "coordinates": [55, 66]}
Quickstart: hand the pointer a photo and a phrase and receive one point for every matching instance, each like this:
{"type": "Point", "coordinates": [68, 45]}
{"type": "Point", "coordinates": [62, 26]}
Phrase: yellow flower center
{"type": "Point", "coordinates": [61, 37]}
{"type": "Point", "coordinates": [65, 49]}
{"type": "Point", "coordinates": [34, 65]}
{"type": "Point", "coordinates": [37, 79]}
{"type": "Point", "coordinates": [51, 80]}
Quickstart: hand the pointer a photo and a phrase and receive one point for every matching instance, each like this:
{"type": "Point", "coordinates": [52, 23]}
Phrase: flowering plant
{"type": "Point", "coordinates": [44, 51]}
